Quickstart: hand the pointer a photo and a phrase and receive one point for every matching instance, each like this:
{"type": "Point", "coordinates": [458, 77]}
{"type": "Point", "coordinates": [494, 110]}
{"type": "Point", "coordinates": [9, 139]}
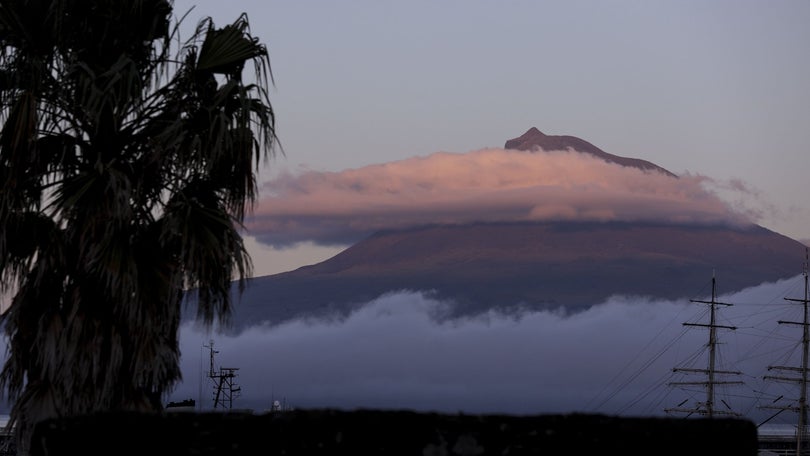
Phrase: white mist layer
{"type": "Point", "coordinates": [615, 358]}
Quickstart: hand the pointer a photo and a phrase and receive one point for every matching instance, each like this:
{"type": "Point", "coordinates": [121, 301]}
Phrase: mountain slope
{"type": "Point", "coordinates": [517, 266]}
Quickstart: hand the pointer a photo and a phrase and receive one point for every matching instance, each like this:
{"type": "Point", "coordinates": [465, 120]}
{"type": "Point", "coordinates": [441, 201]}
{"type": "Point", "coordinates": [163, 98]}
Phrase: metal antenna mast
{"type": "Point", "coordinates": [225, 389]}
{"type": "Point", "coordinates": [708, 407]}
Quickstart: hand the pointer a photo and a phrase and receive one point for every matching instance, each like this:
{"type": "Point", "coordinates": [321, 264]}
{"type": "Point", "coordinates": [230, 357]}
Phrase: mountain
{"type": "Point", "coordinates": [512, 267]}
{"type": "Point", "coordinates": [519, 266]}
{"type": "Point", "coordinates": [534, 139]}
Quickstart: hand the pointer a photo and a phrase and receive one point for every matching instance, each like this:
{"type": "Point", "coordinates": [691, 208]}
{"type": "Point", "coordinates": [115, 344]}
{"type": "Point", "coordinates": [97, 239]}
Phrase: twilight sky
{"type": "Point", "coordinates": [395, 112]}
{"type": "Point", "coordinates": [714, 89]}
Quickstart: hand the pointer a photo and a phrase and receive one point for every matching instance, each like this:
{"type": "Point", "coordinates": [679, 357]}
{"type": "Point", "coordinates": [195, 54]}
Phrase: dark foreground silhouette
{"type": "Point", "coordinates": [377, 432]}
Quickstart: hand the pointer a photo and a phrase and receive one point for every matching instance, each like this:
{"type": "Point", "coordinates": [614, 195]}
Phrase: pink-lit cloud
{"type": "Point", "coordinates": [488, 185]}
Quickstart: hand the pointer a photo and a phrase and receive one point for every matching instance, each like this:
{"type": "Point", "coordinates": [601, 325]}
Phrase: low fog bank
{"type": "Point", "coordinates": [615, 358]}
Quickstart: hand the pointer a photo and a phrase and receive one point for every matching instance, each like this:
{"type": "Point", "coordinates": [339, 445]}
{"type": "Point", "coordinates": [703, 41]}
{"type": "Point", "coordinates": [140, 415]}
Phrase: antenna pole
{"type": "Point", "coordinates": [212, 352]}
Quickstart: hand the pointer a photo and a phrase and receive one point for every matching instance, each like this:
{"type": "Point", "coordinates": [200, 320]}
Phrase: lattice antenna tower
{"type": "Point", "coordinates": [224, 380]}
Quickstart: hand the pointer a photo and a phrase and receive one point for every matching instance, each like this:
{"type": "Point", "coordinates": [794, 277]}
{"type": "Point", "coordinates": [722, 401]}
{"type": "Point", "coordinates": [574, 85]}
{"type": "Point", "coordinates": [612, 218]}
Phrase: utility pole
{"type": "Point", "coordinates": [708, 407]}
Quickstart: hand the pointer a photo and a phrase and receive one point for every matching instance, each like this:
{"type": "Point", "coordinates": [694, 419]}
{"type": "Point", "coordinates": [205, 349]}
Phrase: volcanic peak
{"type": "Point", "coordinates": [535, 139]}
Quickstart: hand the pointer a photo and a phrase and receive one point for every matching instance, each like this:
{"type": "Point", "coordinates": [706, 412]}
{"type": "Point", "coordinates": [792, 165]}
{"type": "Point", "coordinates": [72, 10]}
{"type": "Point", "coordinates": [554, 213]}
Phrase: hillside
{"type": "Point", "coordinates": [511, 267]}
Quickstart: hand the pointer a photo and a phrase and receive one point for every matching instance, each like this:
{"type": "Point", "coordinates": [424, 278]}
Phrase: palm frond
{"type": "Point", "coordinates": [226, 50]}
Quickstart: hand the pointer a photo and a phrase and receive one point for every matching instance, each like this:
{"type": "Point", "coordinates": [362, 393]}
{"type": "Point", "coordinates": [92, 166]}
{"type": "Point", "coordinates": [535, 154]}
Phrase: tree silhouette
{"type": "Point", "coordinates": [127, 165]}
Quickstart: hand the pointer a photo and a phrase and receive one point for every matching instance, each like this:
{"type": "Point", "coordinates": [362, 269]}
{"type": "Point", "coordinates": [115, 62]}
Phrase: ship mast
{"type": "Point", "coordinates": [801, 408]}
{"type": "Point", "coordinates": [708, 407]}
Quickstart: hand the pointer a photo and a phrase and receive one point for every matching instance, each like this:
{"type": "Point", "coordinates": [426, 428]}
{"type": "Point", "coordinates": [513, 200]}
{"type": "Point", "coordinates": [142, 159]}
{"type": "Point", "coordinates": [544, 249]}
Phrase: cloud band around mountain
{"type": "Point", "coordinates": [488, 185]}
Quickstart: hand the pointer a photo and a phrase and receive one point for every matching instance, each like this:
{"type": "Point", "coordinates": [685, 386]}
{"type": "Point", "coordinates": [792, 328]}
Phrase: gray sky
{"type": "Point", "coordinates": [717, 89]}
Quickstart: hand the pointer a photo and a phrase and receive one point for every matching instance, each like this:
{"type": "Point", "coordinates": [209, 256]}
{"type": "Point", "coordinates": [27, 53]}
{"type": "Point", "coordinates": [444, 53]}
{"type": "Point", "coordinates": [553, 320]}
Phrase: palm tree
{"type": "Point", "coordinates": [127, 165]}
